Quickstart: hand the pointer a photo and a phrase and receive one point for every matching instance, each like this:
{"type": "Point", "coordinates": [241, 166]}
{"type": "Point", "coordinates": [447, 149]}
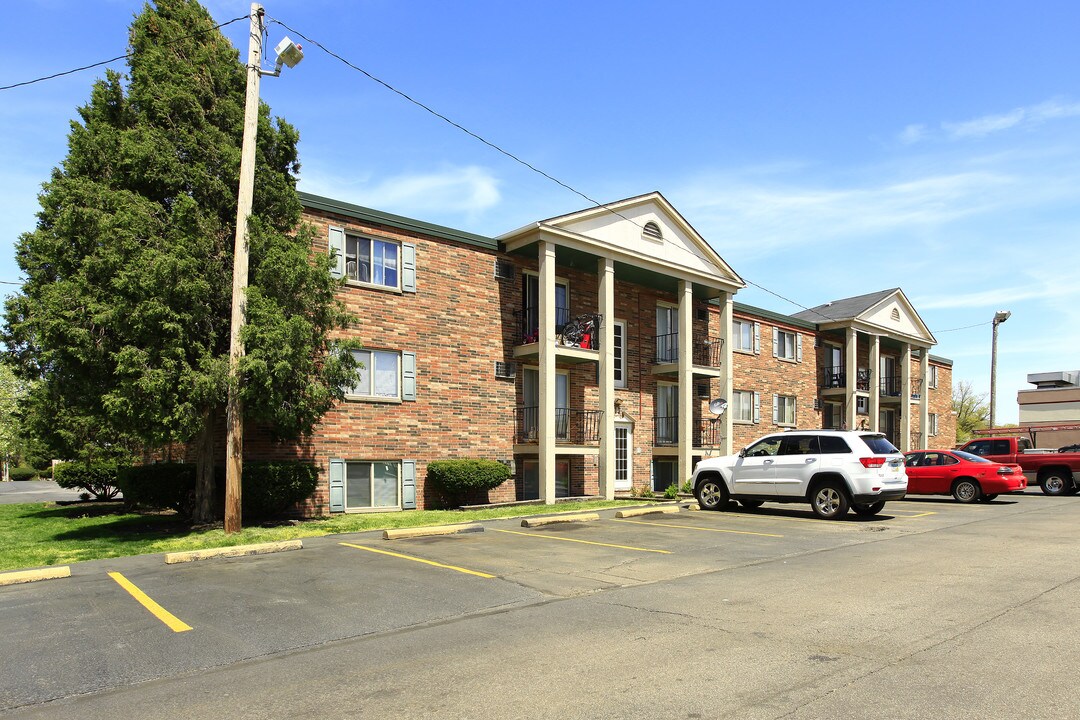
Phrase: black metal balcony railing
{"type": "Point", "coordinates": [890, 386]}
{"type": "Point", "coordinates": [666, 430]}
{"type": "Point", "coordinates": [709, 433]}
{"type": "Point", "coordinates": [528, 323]}
{"type": "Point", "coordinates": [916, 389]}
{"type": "Point", "coordinates": [833, 377]}
{"type": "Point", "coordinates": [862, 380]}
{"type": "Point", "coordinates": [576, 427]}
{"type": "Point", "coordinates": [704, 352]}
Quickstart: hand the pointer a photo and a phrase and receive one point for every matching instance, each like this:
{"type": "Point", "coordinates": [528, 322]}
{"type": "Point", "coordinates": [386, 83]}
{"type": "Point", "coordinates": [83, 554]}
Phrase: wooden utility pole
{"type": "Point", "coordinates": [234, 413]}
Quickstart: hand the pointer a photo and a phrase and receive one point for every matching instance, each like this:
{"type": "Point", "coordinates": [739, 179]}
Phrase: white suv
{"type": "Point", "coordinates": [831, 469]}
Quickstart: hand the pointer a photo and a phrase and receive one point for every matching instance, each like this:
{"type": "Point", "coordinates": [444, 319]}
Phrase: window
{"type": "Point", "coordinates": [862, 405]}
{"type": "Point", "coordinates": [384, 375]}
{"type": "Point", "coordinates": [784, 409]}
{"type": "Point", "coordinates": [359, 485]}
{"type": "Point", "coordinates": [373, 261]}
{"type": "Point", "coordinates": [831, 417]}
{"type": "Point", "coordinates": [618, 334]}
{"type": "Point", "coordinates": [799, 445]}
{"type": "Point", "coordinates": [745, 335]}
{"type": "Point", "coordinates": [745, 406]}
{"type": "Point", "coordinates": [766, 447]}
{"type": "Point", "coordinates": [667, 334]}
{"type": "Point", "coordinates": [833, 445]}
{"type": "Point", "coordinates": [933, 376]}
{"type": "Point", "coordinates": [932, 429]}
{"type": "Point", "coordinates": [530, 479]}
{"type": "Point", "coordinates": [665, 473]}
{"type": "Point", "coordinates": [667, 414]}
{"type": "Point", "coordinates": [531, 304]}
{"type": "Point", "coordinates": [787, 345]}
{"type": "Point", "coordinates": [530, 393]}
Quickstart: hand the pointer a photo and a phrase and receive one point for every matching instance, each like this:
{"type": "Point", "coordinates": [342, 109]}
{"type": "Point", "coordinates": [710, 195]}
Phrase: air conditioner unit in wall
{"type": "Point", "coordinates": [504, 270]}
{"type": "Point", "coordinates": [505, 370]}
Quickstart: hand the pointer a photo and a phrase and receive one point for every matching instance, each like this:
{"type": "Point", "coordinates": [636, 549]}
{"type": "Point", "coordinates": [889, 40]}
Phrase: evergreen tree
{"type": "Point", "coordinates": [125, 313]}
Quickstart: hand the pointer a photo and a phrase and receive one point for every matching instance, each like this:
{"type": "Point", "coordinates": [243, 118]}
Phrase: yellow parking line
{"type": "Point", "coordinates": [175, 624]}
{"type": "Point", "coordinates": [585, 542]}
{"type": "Point", "coordinates": [691, 527]}
{"type": "Point", "coordinates": [912, 517]}
{"type": "Point", "coordinates": [419, 560]}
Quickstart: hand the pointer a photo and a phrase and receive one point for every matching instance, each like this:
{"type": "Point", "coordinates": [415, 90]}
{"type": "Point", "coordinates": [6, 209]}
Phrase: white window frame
{"type": "Point", "coordinates": [781, 347]}
{"type": "Point", "coordinates": [932, 380]}
{"type": "Point", "coordinates": [619, 337]}
{"type": "Point", "coordinates": [737, 330]}
{"type": "Point", "coordinates": [744, 402]}
{"type": "Point", "coordinates": [785, 408]}
{"type": "Point", "coordinates": [371, 487]}
{"type": "Point", "coordinates": [352, 241]}
{"type": "Point", "coordinates": [372, 359]}
{"type": "Point", "coordinates": [932, 424]}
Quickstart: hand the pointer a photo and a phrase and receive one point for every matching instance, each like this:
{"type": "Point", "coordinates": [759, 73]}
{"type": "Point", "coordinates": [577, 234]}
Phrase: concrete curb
{"type": "Point", "coordinates": [537, 522]}
{"type": "Point", "coordinates": [234, 551]}
{"type": "Point", "coordinates": [25, 576]}
{"type": "Point", "coordinates": [401, 533]}
{"type": "Point", "coordinates": [637, 512]}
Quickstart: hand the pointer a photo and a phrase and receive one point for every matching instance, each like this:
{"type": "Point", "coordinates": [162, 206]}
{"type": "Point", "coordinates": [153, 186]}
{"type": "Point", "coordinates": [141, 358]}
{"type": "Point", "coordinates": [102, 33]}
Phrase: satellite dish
{"type": "Point", "coordinates": [718, 406]}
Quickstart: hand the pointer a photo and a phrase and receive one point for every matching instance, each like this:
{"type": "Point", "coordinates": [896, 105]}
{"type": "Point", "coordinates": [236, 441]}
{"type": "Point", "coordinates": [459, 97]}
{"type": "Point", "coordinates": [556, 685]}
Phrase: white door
{"type": "Point", "coordinates": [667, 339]}
{"type": "Point", "coordinates": [624, 467]}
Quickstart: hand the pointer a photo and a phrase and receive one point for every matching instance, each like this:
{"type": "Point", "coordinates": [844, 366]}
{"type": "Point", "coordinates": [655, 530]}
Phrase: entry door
{"type": "Point", "coordinates": [888, 426]}
{"type": "Point", "coordinates": [624, 441]}
{"type": "Point", "coordinates": [531, 400]}
{"type": "Point", "coordinates": [667, 414]}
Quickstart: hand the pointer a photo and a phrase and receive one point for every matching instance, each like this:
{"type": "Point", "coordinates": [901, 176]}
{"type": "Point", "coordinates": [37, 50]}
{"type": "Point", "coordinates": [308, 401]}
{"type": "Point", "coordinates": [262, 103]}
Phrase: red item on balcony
{"type": "Point", "coordinates": [586, 339]}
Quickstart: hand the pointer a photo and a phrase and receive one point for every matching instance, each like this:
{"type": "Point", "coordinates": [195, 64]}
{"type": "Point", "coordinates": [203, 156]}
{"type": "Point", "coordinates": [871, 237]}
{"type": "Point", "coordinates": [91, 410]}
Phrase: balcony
{"type": "Point", "coordinates": [708, 432]}
{"type": "Point", "coordinates": [577, 337]}
{"type": "Point", "coordinates": [706, 355]}
{"type": "Point", "coordinates": [890, 386]}
{"type": "Point", "coordinates": [572, 427]}
{"type": "Point", "coordinates": [835, 378]}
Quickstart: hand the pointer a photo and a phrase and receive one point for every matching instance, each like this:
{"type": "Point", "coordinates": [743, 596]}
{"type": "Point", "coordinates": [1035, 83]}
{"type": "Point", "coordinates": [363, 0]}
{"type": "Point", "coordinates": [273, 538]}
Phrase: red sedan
{"type": "Point", "coordinates": [965, 476]}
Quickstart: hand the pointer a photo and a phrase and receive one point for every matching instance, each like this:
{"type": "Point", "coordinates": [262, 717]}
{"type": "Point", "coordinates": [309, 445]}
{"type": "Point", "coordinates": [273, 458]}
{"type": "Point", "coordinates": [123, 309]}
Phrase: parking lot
{"type": "Point", "coordinates": [751, 579]}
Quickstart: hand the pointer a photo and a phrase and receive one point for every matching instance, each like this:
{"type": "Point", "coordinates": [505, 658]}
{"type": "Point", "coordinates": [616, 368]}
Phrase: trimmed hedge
{"type": "Point", "coordinates": [22, 472]}
{"type": "Point", "coordinates": [269, 488]}
{"type": "Point", "coordinates": [165, 485]}
{"type": "Point", "coordinates": [462, 478]}
{"type": "Point", "coordinates": [98, 479]}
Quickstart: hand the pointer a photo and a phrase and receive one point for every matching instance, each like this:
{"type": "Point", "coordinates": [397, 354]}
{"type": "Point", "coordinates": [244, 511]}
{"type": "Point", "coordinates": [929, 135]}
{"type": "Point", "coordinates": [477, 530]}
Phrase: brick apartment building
{"type": "Point", "coordinates": [583, 351]}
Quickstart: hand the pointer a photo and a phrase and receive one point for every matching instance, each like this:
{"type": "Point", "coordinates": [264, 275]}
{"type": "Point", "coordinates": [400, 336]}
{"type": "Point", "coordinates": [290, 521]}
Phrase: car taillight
{"type": "Point", "coordinates": [872, 462]}
{"type": "Point", "coordinates": [1004, 470]}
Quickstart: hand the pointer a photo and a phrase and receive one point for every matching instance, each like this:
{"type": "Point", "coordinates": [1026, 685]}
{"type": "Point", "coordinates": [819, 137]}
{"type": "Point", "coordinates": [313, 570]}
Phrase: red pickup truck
{"type": "Point", "coordinates": [1057, 473]}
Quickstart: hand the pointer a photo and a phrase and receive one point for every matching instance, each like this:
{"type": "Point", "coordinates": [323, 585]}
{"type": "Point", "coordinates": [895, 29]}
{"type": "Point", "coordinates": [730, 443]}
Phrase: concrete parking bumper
{"type": "Point", "coordinates": [656, 510]}
{"type": "Point", "coordinates": [551, 520]}
{"type": "Point", "coordinates": [401, 533]}
{"type": "Point", "coordinates": [25, 576]}
{"type": "Point", "coordinates": [234, 551]}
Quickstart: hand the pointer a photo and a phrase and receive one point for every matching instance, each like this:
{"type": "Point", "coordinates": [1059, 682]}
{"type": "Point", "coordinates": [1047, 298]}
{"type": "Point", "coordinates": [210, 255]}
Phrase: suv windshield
{"type": "Point", "coordinates": [879, 445]}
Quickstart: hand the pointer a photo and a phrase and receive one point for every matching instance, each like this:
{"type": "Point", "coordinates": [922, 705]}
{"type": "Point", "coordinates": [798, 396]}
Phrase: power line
{"type": "Point", "coordinates": [118, 57]}
{"type": "Point", "coordinates": [966, 327]}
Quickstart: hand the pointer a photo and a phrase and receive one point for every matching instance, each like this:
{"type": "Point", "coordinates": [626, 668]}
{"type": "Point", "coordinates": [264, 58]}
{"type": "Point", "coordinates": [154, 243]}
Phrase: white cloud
{"type": "Point", "coordinates": [980, 127]}
{"type": "Point", "coordinates": [996, 296]}
{"type": "Point", "coordinates": [913, 134]}
{"type": "Point", "coordinates": [465, 191]}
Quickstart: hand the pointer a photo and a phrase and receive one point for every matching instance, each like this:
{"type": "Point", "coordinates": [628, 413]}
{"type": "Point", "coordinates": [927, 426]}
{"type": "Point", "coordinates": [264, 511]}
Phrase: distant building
{"type": "Point", "coordinates": [1052, 408]}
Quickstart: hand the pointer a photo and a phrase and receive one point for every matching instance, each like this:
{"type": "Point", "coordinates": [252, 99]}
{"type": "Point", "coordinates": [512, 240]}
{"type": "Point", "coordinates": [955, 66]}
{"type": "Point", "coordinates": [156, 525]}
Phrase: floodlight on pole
{"type": "Point", "coordinates": [288, 53]}
{"type": "Point", "coordinates": [999, 317]}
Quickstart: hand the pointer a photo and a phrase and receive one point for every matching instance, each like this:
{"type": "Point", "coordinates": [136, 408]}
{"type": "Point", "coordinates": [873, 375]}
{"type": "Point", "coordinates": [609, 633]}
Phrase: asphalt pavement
{"type": "Point", "coordinates": [31, 491]}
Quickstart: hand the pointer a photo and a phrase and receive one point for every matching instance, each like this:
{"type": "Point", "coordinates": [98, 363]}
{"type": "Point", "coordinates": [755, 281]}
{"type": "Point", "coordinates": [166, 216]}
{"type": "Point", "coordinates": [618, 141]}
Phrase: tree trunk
{"type": "Point", "coordinates": [204, 471]}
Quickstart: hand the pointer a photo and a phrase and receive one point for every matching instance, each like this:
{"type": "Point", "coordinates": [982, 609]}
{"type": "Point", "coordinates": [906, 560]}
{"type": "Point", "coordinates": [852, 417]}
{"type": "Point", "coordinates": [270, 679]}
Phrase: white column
{"type": "Point", "coordinates": [546, 420]}
{"type": "Point", "coordinates": [686, 381]}
{"type": "Point", "coordinates": [851, 372]}
{"type": "Point", "coordinates": [905, 397]}
{"type": "Point", "coordinates": [875, 383]}
{"type": "Point", "coordinates": [727, 371]}
{"type": "Point", "coordinates": [606, 271]}
{"type": "Point", "coordinates": [924, 400]}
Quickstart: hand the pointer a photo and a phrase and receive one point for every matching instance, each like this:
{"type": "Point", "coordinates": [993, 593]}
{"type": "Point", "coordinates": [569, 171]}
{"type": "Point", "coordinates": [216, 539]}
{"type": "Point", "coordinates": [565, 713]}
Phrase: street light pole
{"type": "Point", "coordinates": [999, 317]}
{"type": "Point", "coordinates": [288, 54]}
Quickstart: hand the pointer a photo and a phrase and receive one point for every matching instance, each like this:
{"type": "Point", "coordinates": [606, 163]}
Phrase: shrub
{"type": "Point", "coordinates": [46, 473]}
{"type": "Point", "coordinates": [98, 479]}
{"type": "Point", "coordinates": [23, 472]}
{"type": "Point", "coordinates": [687, 488]}
{"type": "Point", "coordinates": [271, 488]}
{"type": "Point", "coordinates": [165, 485]}
{"type": "Point", "coordinates": [461, 478]}
{"type": "Point", "coordinates": [672, 491]}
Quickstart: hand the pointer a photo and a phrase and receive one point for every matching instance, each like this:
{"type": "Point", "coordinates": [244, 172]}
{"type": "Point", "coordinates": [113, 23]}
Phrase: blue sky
{"type": "Point", "coordinates": [824, 149]}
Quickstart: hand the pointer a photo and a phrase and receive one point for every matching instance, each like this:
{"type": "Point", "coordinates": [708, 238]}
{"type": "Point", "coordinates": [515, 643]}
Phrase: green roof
{"type": "Point", "coordinates": [338, 207]}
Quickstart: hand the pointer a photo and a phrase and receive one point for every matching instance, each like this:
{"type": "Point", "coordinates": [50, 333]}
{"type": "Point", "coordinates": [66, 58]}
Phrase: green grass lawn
{"type": "Point", "coordinates": [40, 534]}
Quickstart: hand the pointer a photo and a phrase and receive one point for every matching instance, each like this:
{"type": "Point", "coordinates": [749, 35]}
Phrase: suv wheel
{"type": "Point", "coordinates": [829, 501]}
{"type": "Point", "coordinates": [711, 494]}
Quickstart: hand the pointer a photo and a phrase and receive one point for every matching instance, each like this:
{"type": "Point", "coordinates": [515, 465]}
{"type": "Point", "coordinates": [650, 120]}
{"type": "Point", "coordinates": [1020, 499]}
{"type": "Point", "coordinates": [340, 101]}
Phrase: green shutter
{"type": "Point", "coordinates": [337, 485]}
{"type": "Point", "coordinates": [408, 376]}
{"type": "Point", "coordinates": [336, 248]}
{"type": "Point", "coordinates": [408, 267]}
{"type": "Point", "coordinates": [408, 484]}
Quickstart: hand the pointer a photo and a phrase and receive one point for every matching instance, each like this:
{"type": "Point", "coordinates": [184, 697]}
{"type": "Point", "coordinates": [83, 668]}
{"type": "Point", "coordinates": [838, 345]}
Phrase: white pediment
{"type": "Point", "coordinates": [649, 228]}
{"type": "Point", "coordinates": [896, 316]}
